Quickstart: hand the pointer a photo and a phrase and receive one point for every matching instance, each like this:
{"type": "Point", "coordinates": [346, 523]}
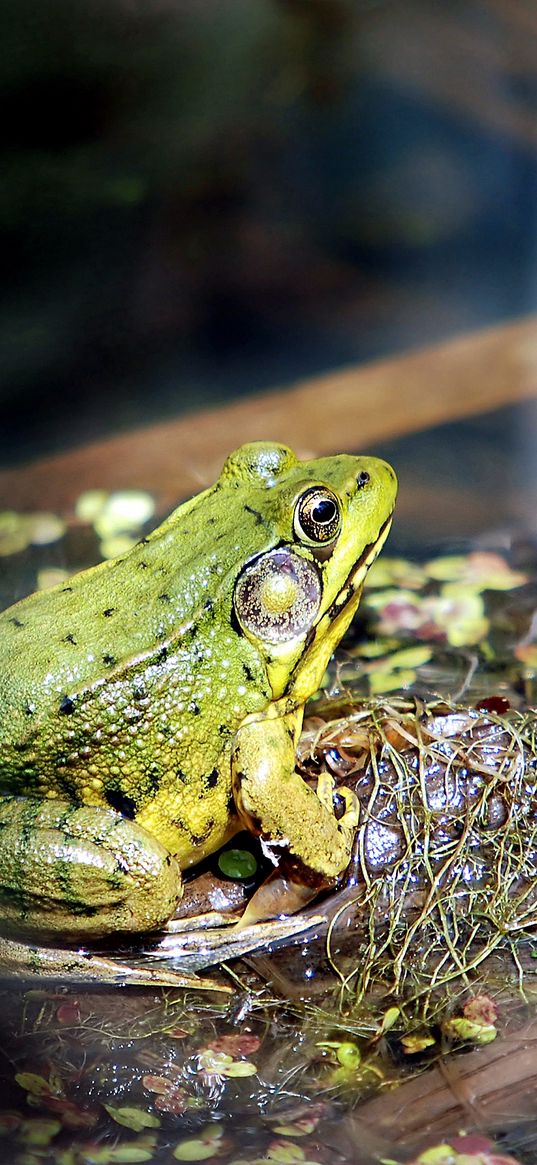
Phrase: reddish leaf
{"type": "Point", "coordinates": [172, 1102]}
{"type": "Point", "coordinates": [236, 1045]}
{"type": "Point", "coordinates": [482, 1009]}
{"type": "Point", "coordinates": [158, 1084]}
{"type": "Point", "coordinates": [68, 1014]}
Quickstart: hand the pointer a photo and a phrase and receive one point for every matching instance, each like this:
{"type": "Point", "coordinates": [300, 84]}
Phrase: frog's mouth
{"type": "Point", "coordinates": [354, 581]}
{"type": "Point", "coordinates": [324, 636]}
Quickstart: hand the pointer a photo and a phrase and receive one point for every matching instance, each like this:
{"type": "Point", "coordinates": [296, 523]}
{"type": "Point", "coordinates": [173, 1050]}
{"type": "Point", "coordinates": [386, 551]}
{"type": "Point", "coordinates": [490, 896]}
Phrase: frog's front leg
{"type": "Point", "coordinates": [81, 872]}
{"type": "Point", "coordinates": [274, 801]}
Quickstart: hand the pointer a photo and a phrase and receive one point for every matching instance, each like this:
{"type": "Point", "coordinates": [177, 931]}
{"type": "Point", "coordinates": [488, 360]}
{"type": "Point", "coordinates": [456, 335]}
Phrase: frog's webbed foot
{"type": "Point", "coordinates": [285, 891]}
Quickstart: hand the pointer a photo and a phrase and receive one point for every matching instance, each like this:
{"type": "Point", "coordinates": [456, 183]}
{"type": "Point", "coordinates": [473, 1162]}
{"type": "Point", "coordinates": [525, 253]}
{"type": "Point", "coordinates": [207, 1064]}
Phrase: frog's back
{"type": "Point", "coordinates": [115, 634]}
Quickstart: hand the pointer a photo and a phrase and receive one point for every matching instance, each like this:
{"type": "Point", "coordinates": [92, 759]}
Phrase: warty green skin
{"type": "Point", "coordinates": [134, 705]}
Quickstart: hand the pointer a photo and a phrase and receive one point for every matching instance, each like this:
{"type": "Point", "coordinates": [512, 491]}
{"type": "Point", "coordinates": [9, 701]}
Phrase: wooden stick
{"type": "Point", "coordinates": [350, 409]}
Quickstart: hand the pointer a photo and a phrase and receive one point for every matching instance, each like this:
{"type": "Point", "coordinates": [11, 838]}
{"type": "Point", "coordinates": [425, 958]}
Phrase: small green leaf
{"type": "Point", "coordinates": [409, 657]}
{"type": "Point", "coordinates": [241, 1068]}
{"type": "Point", "coordinates": [450, 566]}
{"type": "Point", "coordinates": [416, 1043]}
{"type": "Point", "coordinates": [285, 1153]}
{"type": "Point", "coordinates": [97, 1156]}
{"type": "Point", "coordinates": [389, 1018]}
{"type": "Point", "coordinates": [133, 1118]}
{"type": "Point", "coordinates": [194, 1150]}
{"type": "Point", "coordinates": [65, 1157]}
{"type": "Point", "coordinates": [38, 1131]}
{"type": "Point", "coordinates": [237, 863]}
{"type": "Point", "coordinates": [130, 1155]}
{"type": "Point", "coordinates": [438, 1155]}
{"type": "Point", "coordinates": [461, 1028]}
{"type": "Point", "coordinates": [347, 1052]}
{"type": "Point", "coordinates": [385, 681]}
{"type": "Point", "coordinates": [35, 1085]}
{"type": "Point", "coordinates": [301, 1128]}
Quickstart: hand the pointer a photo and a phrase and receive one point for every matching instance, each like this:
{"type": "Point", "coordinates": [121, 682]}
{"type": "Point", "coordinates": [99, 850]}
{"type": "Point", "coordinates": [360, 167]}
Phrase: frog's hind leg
{"type": "Point", "coordinates": [80, 872]}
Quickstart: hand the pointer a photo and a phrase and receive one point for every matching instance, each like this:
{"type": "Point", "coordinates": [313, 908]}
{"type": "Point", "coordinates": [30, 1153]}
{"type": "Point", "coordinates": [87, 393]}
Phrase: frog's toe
{"type": "Point", "coordinates": [325, 791]}
{"type": "Point", "coordinates": [351, 816]}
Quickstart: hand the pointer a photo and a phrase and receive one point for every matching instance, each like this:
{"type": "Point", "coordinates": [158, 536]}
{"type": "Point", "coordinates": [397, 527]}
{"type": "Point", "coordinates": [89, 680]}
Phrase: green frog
{"type": "Point", "coordinates": [150, 706]}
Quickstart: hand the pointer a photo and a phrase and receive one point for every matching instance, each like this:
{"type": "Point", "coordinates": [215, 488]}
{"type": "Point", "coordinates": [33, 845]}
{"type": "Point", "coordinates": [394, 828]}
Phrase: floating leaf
{"type": "Point", "coordinates": [174, 1102]}
{"type": "Point", "coordinates": [214, 1062]}
{"type": "Point", "coordinates": [8, 1122]}
{"type": "Point", "coordinates": [301, 1128]}
{"type": "Point", "coordinates": [386, 681]}
{"type": "Point", "coordinates": [90, 504]}
{"type": "Point", "coordinates": [117, 544]}
{"type": "Point", "coordinates": [416, 1043]}
{"type": "Point", "coordinates": [527, 654]}
{"type": "Point", "coordinates": [449, 566]}
{"type": "Point", "coordinates": [193, 1150]}
{"type": "Point", "coordinates": [438, 1155]}
{"type": "Point", "coordinates": [65, 1157]}
{"type": "Point", "coordinates": [51, 576]}
{"type": "Point", "coordinates": [398, 612]}
{"type": "Point", "coordinates": [236, 1044]}
{"type": "Point", "coordinates": [461, 617]}
{"type": "Point", "coordinates": [130, 1155]}
{"type": "Point", "coordinates": [460, 1028]}
{"type": "Point", "coordinates": [285, 1153]}
{"type": "Point", "coordinates": [414, 656]}
{"type": "Point", "coordinates": [35, 1085]}
{"type": "Point", "coordinates": [68, 1014]}
{"type": "Point", "coordinates": [241, 1068]}
{"type": "Point", "coordinates": [71, 1116]}
{"type": "Point", "coordinates": [483, 570]}
{"type": "Point", "coordinates": [349, 1055]}
{"type": "Point", "coordinates": [237, 863]}
{"type": "Point", "coordinates": [132, 1118]}
{"type": "Point", "coordinates": [387, 571]}
{"type": "Point", "coordinates": [128, 508]}
{"type": "Point", "coordinates": [372, 650]}
{"type": "Point", "coordinates": [44, 528]}
{"type": "Point", "coordinates": [200, 1148]}
{"type": "Point", "coordinates": [482, 1009]}
{"type": "Point", "coordinates": [96, 1155]}
{"type": "Point", "coordinates": [135, 1153]}
{"type": "Point", "coordinates": [159, 1084]}
{"type": "Point", "coordinates": [13, 533]}
{"type": "Point", "coordinates": [38, 1131]}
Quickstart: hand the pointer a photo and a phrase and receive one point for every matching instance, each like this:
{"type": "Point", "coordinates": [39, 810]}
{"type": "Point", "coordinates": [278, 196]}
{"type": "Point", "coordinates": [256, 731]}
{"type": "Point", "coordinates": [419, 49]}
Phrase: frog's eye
{"type": "Point", "coordinates": [318, 515]}
{"type": "Point", "coordinates": [278, 596]}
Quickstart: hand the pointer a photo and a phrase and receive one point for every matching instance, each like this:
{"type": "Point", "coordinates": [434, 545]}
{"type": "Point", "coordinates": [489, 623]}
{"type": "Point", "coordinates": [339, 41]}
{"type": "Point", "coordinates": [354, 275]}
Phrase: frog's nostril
{"type": "Point", "coordinates": [362, 479]}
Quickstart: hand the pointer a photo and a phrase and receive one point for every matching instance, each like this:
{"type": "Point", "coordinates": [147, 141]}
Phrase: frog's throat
{"type": "Point", "coordinates": [323, 639]}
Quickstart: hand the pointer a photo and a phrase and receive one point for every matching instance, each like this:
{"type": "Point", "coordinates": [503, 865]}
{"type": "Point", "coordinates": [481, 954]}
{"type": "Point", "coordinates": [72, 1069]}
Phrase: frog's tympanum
{"type": "Point", "coordinates": [149, 707]}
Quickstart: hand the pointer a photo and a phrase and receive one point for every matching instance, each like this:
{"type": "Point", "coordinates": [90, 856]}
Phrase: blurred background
{"type": "Point", "coordinates": [202, 199]}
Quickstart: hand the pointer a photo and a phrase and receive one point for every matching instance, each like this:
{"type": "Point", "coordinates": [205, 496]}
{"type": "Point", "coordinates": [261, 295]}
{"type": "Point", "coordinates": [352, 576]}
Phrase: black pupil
{"type": "Point", "coordinates": [323, 511]}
